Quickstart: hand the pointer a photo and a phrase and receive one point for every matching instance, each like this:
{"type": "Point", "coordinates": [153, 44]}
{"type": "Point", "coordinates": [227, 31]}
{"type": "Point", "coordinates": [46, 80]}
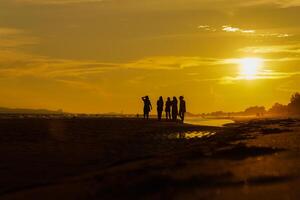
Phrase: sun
{"type": "Point", "coordinates": [250, 67]}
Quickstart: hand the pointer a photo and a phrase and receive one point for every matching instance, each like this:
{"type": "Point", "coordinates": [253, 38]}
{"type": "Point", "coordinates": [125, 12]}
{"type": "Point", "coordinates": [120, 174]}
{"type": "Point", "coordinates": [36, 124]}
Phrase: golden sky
{"type": "Point", "coordinates": [103, 55]}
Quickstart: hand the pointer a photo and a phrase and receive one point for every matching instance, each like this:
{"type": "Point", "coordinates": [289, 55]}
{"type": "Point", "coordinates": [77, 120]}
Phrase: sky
{"type": "Point", "coordinates": [99, 56]}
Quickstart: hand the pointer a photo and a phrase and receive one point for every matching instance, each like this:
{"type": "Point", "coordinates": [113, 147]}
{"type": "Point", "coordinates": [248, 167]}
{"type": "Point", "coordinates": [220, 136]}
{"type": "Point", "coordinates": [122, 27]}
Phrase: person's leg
{"type": "Point", "coordinates": [181, 116]}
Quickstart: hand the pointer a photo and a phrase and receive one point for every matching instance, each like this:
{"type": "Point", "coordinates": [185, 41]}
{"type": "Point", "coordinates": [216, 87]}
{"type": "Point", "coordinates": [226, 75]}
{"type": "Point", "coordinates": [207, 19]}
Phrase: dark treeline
{"type": "Point", "coordinates": [292, 108]}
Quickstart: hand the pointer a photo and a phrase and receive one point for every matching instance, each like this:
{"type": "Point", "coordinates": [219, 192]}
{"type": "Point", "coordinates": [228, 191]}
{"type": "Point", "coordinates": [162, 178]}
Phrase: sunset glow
{"type": "Point", "coordinates": [150, 99]}
{"type": "Point", "coordinates": [99, 56]}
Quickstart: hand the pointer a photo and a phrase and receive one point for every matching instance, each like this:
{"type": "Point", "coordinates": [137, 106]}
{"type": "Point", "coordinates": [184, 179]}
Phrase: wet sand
{"type": "Point", "coordinates": [109, 158]}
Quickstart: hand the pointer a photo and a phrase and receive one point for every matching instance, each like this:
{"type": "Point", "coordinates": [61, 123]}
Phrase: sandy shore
{"type": "Point", "coordinates": [137, 159]}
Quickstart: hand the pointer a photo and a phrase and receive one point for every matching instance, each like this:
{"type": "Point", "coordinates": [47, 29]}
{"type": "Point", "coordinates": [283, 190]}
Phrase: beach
{"type": "Point", "coordinates": [122, 158]}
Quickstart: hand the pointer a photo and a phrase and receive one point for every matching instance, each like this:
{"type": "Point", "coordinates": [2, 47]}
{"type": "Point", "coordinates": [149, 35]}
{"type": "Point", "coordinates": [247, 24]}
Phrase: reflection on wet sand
{"type": "Point", "coordinates": [208, 122]}
{"type": "Point", "coordinates": [191, 135]}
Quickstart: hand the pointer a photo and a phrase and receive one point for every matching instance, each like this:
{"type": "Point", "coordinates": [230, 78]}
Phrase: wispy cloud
{"type": "Point", "coordinates": [86, 86]}
{"type": "Point", "coordinates": [20, 41]}
{"type": "Point", "coordinates": [56, 2]}
{"type": "Point", "coordinates": [295, 49]}
{"type": "Point", "coordinates": [280, 3]}
{"type": "Point", "coordinates": [11, 37]}
{"type": "Point", "coordinates": [290, 86]}
{"type": "Point", "coordinates": [248, 32]}
{"type": "Point", "coordinates": [4, 31]}
{"type": "Point", "coordinates": [17, 64]}
{"type": "Point", "coordinates": [207, 28]}
{"type": "Point", "coordinates": [266, 74]}
{"type": "Point", "coordinates": [228, 28]}
{"type": "Point", "coordinates": [172, 62]}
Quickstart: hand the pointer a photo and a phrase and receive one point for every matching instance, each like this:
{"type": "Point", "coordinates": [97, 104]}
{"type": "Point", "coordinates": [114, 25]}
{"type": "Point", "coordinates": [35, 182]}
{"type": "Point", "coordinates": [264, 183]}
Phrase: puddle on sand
{"type": "Point", "coordinates": [208, 122]}
{"type": "Point", "coordinates": [191, 135]}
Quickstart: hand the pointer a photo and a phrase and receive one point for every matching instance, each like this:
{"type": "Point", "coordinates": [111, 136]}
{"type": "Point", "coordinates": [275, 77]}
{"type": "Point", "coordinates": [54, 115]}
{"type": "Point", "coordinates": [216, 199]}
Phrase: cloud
{"type": "Point", "coordinates": [171, 62]}
{"type": "Point", "coordinates": [266, 74]}
{"type": "Point", "coordinates": [174, 4]}
{"type": "Point", "coordinates": [4, 31]}
{"type": "Point", "coordinates": [11, 37]}
{"type": "Point", "coordinates": [263, 72]}
{"type": "Point", "coordinates": [56, 2]}
{"type": "Point", "coordinates": [295, 49]}
{"type": "Point", "coordinates": [207, 28]}
{"type": "Point", "coordinates": [290, 86]}
{"type": "Point", "coordinates": [248, 32]}
{"type": "Point", "coordinates": [18, 41]}
{"type": "Point", "coordinates": [227, 28]}
{"type": "Point", "coordinates": [278, 35]}
{"type": "Point", "coordinates": [279, 3]}
{"type": "Point", "coordinates": [289, 3]}
{"type": "Point", "coordinates": [16, 64]}
{"type": "Point", "coordinates": [86, 86]}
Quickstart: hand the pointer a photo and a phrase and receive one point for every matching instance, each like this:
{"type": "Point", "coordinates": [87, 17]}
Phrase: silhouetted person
{"type": "Point", "coordinates": [147, 106]}
{"type": "Point", "coordinates": [168, 108]}
{"type": "Point", "coordinates": [174, 109]}
{"type": "Point", "coordinates": [160, 107]}
{"type": "Point", "coordinates": [182, 108]}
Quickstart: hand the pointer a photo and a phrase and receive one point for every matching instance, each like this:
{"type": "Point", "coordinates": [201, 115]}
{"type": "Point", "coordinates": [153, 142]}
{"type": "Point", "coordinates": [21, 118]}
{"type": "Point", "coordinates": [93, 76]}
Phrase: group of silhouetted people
{"type": "Point", "coordinates": [171, 108]}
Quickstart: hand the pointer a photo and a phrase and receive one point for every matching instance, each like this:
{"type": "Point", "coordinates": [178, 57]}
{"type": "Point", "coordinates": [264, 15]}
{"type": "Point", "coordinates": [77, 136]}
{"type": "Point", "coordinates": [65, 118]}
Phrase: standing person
{"type": "Point", "coordinates": [182, 108]}
{"type": "Point", "coordinates": [168, 108]}
{"type": "Point", "coordinates": [174, 109]}
{"type": "Point", "coordinates": [147, 106]}
{"type": "Point", "coordinates": [160, 107]}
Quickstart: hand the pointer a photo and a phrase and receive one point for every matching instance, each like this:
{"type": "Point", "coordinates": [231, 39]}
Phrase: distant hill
{"type": "Point", "coordinates": [28, 111]}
